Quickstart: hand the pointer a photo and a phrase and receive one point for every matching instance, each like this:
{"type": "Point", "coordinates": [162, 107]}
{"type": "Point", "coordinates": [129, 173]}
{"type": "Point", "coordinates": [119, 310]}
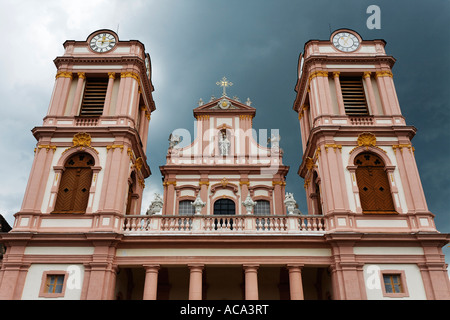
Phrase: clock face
{"type": "Point", "coordinates": [102, 42]}
{"type": "Point", "coordinates": [346, 41]}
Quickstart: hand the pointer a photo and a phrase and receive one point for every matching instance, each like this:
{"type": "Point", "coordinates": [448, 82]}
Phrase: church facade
{"type": "Point", "coordinates": [224, 228]}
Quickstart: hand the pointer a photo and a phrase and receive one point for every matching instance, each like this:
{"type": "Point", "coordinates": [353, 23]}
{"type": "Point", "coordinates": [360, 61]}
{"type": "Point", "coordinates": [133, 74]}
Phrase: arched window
{"type": "Point", "coordinates": [262, 208]}
{"type": "Point", "coordinates": [373, 184]}
{"type": "Point", "coordinates": [73, 193]}
{"type": "Point", "coordinates": [224, 207]}
{"type": "Point", "coordinates": [185, 208]}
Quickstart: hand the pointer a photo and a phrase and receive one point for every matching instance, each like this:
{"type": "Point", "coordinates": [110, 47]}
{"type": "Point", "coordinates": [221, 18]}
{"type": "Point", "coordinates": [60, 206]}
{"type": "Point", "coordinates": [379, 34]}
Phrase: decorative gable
{"type": "Point", "coordinates": [225, 105]}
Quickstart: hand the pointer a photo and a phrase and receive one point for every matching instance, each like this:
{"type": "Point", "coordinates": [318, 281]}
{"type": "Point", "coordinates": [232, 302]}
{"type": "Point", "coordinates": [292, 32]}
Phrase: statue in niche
{"type": "Point", "coordinates": [224, 143]}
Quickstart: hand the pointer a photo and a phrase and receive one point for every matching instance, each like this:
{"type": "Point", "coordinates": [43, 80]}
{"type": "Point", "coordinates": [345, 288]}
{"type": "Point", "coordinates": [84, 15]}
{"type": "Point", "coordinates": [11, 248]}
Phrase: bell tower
{"type": "Point", "coordinates": [358, 160]}
{"type": "Point", "coordinates": [90, 159]}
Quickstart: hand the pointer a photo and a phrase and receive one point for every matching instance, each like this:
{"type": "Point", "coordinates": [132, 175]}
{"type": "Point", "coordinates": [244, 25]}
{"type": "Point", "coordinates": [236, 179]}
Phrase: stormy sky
{"type": "Point", "coordinates": [254, 43]}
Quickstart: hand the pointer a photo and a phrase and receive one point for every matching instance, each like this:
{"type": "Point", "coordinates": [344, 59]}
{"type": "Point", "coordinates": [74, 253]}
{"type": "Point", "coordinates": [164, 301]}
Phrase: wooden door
{"type": "Point", "coordinates": [373, 184]}
{"type": "Point", "coordinates": [73, 193]}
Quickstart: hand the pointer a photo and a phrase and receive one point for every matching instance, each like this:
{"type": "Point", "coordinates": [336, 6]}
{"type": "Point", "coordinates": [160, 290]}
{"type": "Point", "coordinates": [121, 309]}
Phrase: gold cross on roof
{"type": "Point", "coordinates": [224, 83]}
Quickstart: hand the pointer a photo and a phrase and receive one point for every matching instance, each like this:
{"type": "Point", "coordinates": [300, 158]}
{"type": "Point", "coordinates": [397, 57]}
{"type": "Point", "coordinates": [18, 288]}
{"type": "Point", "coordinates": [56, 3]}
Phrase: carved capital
{"type": "Point", "coordinates": [64, 74]}
{"type": "Point", "coordinates": [383, 74]}
{"type": "Point", "coordinates": [133, 75]}
{"type": "Point", "coordinates": [320, 73]}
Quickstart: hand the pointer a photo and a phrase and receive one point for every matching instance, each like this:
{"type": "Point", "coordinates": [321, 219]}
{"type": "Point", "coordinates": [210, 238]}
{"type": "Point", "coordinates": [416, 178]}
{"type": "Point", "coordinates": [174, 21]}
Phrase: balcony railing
{"type": "Point", "coordinates": [200, 224]}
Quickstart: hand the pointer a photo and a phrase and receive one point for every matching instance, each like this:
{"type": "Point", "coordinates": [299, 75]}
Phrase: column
{"type": "Point", "coordinates": [295, 282]}
{"type": "Point", "coordinates": [195, 281]}
{"type": "Point", "coordinates": [278, 206]}
{"type": "Point", "coordinates": [60, 93]}
{"type": "Point", "coordinates": [151, 282]}
{"type": "Point", "coordinates": [340, 99]}
{"type": "Point", "coordinates": [169, 200]}
{"type": "Point", "coordinates": [115, 180]}
{"type": "Point", "coordinates": [379, 76]}
{"type": "Point", "coordinates": [37, 180]}
{"type": "Point", "coordinates": [144, 129]}
{"type": "Point", "coordinates": [106, 106]}
{"type": "Point", "coordinates": [78, 94]}
{"type": "Point", "coordinates": [370, 93]}
{"type": "Point", "coordinates": [413, 177]}
{"type": "Point", "coordinates": [251, 282]}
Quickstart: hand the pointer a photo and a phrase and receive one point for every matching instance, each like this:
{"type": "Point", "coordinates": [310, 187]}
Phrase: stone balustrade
{"type": "Point", "coordinates": [198, 224]}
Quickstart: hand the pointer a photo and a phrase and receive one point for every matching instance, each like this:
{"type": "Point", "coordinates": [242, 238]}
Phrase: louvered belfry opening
{"type": "Point", "coordinates": [73, 192]}
{"type": "Point", "coordinates": [94, 97]}
{"type": "Point", "coordinates": [355, 102]}
{"type": "Point", "coordinates": [373, 184]}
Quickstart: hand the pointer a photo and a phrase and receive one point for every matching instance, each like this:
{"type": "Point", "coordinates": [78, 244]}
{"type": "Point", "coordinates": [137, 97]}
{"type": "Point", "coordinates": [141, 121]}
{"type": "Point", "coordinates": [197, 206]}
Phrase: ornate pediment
{"type": "Point", "coordinates": [224, 105]}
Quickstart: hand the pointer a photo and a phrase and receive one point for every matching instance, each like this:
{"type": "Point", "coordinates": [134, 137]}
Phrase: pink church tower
{"type": "Point", "coordinates": [359, 168]}
{"type": "Point", "coordinates": [90, 158]}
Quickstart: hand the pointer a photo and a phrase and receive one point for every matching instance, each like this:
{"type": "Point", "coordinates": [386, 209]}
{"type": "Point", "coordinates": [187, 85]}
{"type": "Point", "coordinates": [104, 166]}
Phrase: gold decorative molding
{"type": "Point", "coordinates": [167, 183]}
{"type": "Point", "coordinates": [306, 184]}
{"type": "Point", "coordinates": [64, 74]}
{"type": "Point", "coordinates": [81, 75]}
{"type": "Point", "coordinates": [112, 75]}
{"type": "Point", "coordinates": [336, 74]}
{"type": "Point", "coordinates": [247, 183]}
{"type": "Point", "coordinates": [47, 147]}
{"type": "Point", "coordinates": [309, 163]}
{"type": "Point", "coordinates": [384, 74]}
{"type": "Point", "coordinates": [203, 183]}
{"type": "Point", "coordinates": [367, 139]}
{"type": "Point", "coordinates": [224, 182]}
{"type": "Point", "coordinates": [81, 140]}
{"type": "Point", "coordinates": [319, 73]}
{"type": "Point", "coordinates": [139, 163]}
{"type": "Point", "coordinates": [367, 74]}
{"type": "Point", "coordinates": [202, 117]}
{"type": "Point", "coordinates": [401, 146]}
{"type": "Point", "coordinates": [141, 183]}
{"type": "Point", "coordinates": [317, 154]}
{"type": "Point", "coordinates": [302, 112]}
{"type": "Point", "coordinates": [147, 113]}
{"type": "Point", "coordinates": [130, 153]}
{"type": "Point", "coordinates": [279, 183]}
{"type": "Point", "coordinates": [133, 75]}
{"type": "Point", "coordinates": [115, 146]}
{"type": "Point", "coordinates": [245, 117]}
{"type": "Point", "coordinates": [334, 146]}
